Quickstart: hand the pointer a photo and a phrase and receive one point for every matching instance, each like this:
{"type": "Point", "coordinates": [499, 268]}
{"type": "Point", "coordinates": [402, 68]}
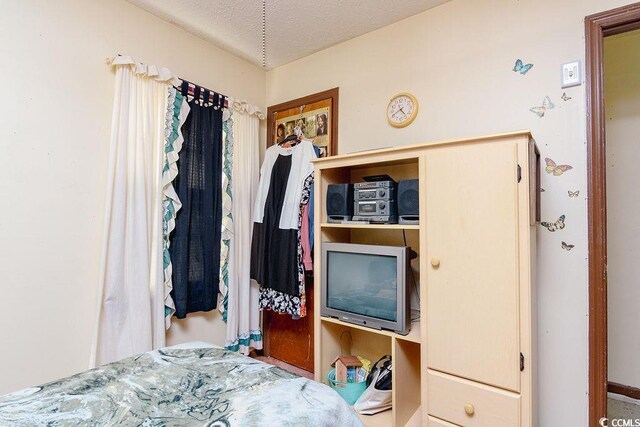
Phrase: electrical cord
{"type": "Point", "coordinates": [413, 274]}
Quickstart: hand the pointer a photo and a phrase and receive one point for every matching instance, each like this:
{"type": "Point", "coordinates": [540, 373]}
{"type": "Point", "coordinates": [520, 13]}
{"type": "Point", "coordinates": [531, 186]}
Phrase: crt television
{"type": "Point", "coordinates": [367, 285]}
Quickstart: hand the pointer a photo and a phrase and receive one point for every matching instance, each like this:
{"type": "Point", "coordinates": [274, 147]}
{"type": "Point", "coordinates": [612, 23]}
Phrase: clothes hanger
{"type": "Point", "coordinates": [290, 138]}
{"type": "Point", "coordinates": [297, 135]}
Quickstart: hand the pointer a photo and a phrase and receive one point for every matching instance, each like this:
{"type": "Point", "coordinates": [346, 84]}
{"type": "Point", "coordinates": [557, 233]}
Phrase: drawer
{"type": "Point", "coordinates": [470, 404]}
{"type": "Point", "coordinates": [435, 422]}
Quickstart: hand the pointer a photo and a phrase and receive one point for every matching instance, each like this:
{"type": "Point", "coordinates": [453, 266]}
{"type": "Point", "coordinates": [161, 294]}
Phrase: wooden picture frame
{"type": "Point", "coordinates": [309, 112]}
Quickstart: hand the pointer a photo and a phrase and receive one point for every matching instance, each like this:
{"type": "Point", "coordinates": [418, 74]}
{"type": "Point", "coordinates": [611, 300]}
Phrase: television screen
{"type": "Point", "coordinates": [364, 284]}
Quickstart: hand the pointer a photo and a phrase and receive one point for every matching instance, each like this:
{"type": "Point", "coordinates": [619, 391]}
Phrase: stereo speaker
{"type": "Point", "coordinates": [408, 202]}
{"type": "Point", "coordinates": [339, 202]}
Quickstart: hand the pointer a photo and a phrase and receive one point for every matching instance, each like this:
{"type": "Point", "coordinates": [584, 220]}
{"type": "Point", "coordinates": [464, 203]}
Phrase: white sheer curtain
{"type": "Point", "coordinates": [243, 313]}
{"type": "Point", "coordinates": [131, 292]}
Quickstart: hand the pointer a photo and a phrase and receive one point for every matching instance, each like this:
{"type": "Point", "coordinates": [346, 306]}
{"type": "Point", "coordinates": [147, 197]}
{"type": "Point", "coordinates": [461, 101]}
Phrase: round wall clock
{"type": "Point", "coordinates": [402, 110]}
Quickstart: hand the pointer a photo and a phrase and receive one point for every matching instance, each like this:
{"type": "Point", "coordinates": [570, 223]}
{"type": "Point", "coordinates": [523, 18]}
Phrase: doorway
{"type": "Point", "coordinates": [597, 27]}
{"type": "Point", "coordinates": [622, 113]}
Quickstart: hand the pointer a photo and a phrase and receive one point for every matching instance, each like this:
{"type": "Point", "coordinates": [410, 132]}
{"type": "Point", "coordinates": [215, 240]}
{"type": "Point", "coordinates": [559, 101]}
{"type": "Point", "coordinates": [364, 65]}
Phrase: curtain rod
{"type": "Point", "coordinates": [191, 88]}
{"type": "Point", "coordinates": [229, 102]}
{"type": "Point", "coordinates": [191, 91]}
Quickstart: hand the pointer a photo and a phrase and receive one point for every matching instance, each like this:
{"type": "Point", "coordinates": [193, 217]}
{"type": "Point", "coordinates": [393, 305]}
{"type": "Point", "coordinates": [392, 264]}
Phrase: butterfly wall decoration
{"type": "Point", "coordinates": [546, 105]}
{"type": "Point", "coordinates": [553, 168]}
{"type": "Point", "coordinates": [567, 246]}
{"type": "Point", "coordinates": [565, 97]}
{"type": "Point", "coordinates": [521, 67]}
{"type": "Point", "coordinates": [554, 226]}
{"type": "Point", "coordinates": [573, 194]}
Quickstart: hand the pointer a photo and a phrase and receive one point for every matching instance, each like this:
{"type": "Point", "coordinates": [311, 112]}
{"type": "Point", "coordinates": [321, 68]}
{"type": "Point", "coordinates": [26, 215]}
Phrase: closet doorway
{"type": "Point", "coordinates": [612, 211]}
{"type": "Point", "coordinates": [288, 340]}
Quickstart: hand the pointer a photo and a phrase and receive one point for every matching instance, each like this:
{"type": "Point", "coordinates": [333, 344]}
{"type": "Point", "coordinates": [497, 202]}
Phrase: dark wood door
{"type": "Point", "coordinates": [291, 340]}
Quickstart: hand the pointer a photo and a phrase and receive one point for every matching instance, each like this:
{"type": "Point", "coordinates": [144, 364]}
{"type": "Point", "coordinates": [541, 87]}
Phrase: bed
{"type": "Point", "coordinates": [189, 385]}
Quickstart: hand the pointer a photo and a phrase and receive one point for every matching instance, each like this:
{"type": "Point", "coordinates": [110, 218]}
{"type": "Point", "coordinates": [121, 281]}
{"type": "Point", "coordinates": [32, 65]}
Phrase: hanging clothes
{"type": "Point", "coordinates": [195, 245]}
{"type": "Point", "coordinates": [304, 238]}
{"type": "Point", "coordinates": [311, 206]}
{"type": "Point", "coordinates": [276, 250]}
{"type": "Point", "coordinates": [294, 303]}
{"type": "Point", "coordinates": [302, 261]}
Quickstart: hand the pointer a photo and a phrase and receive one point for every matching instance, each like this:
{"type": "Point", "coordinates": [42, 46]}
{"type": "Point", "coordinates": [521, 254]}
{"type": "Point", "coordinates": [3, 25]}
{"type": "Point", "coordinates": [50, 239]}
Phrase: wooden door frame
{"type": "Point", "coordinates": [597, 27]}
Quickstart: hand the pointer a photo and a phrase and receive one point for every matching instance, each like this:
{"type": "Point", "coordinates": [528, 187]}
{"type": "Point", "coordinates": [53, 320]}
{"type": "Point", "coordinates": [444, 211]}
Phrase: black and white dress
{"type": "Point", "coordinates": [276, 252]}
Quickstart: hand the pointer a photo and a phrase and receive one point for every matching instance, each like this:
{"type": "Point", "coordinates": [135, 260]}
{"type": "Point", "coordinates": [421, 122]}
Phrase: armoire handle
{"type": "Point", "coordinates": [469, 409]}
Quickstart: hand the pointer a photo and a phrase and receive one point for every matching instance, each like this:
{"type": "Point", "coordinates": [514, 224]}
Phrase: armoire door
{"type": "Point", "coordinates": [472, 256]}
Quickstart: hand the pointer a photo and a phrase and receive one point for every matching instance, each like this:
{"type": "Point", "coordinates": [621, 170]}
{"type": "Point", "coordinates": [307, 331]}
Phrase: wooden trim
{"type": "Point", "coordinates": [625, 390]}
{"type": "Point", "coordinates": [597, 221]}
{"type": "Point", "coordinates": [333, 94]}
{"type": "Point", "coordinates": [615, 21]}
{"type": "Point", "coordinates": [596, 28]}
{"type": "Point", "coordinates": [397, 151]}
{"type": "Point", "coordinates": [622, 29]}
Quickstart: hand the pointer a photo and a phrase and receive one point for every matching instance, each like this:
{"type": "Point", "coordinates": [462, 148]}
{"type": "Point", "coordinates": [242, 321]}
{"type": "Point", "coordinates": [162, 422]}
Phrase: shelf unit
{"type": "Point", "coordinates": [382, 419]}
{"type": "Point", "coordinates": [464, 184]}
{"type": "Point", "coordinates": [367, 342]}
{"type": "Point", "coordinates": [412, 336]}
{"type": "Point", "coordinates": [371, 226]}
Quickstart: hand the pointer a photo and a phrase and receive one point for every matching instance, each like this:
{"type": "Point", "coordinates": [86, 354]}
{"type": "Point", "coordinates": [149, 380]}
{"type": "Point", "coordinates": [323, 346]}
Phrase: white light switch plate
{"type": "Point", "coordinates": [571, 74]}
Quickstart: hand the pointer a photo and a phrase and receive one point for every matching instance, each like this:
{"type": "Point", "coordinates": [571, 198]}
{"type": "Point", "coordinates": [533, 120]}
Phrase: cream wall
{"type": "Point", "coordinates": [457, 59]}
{"type": "Point", "coordinates": [54, 134]}
{"type": "Point", "coordinates": [622, 109]}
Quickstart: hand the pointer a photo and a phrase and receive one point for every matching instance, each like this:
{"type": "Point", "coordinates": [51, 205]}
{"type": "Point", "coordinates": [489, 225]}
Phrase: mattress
{"type": "Point", "coordinates": [196, 384]}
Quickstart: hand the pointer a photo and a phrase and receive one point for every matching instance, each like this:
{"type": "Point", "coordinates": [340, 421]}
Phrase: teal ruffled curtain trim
{"type": "Point", "coordinates": [176, 115]}
{"type": "Point", "coordinates": [227, 216]}
{"type": "Point", "coordinates": [246, 341]}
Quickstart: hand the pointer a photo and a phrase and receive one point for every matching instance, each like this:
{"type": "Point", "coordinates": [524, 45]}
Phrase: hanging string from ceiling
{"type": "Point", "coordinates": [264, 34]}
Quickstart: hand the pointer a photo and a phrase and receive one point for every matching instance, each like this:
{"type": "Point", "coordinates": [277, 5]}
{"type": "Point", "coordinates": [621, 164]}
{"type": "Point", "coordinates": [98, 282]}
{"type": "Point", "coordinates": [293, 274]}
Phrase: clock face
{"type": "Point", "coordinates": [402, 110]}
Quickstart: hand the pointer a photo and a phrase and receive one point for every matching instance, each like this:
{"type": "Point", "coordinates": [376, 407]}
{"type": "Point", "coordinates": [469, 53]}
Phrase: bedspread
{"type": "Point", "coordinates": [179, 387]}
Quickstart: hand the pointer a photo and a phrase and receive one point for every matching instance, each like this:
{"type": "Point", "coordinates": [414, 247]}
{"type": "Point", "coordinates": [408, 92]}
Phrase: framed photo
{"type": "Point", "coordinates": [316, 115]}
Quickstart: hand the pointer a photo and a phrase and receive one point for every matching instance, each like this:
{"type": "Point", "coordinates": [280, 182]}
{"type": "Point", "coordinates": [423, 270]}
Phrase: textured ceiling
{"type": "Point", "coordinates": [294, 28]}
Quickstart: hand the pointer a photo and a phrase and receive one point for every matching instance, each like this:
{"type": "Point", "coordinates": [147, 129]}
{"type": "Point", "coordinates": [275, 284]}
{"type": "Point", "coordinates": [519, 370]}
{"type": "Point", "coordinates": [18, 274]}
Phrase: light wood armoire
{"type": "Point", "coordinates": [470, 358]}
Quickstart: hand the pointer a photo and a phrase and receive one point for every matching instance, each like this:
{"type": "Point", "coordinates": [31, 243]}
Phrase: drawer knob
{"type": "Point", "coordinates": [435, 262]}
{"type": "Point", "coordinates": [469, 409]}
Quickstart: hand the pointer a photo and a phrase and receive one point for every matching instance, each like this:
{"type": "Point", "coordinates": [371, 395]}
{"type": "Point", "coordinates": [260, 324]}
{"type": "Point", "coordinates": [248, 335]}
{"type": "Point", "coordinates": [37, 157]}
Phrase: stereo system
{"type": "Point", "coordinates": [377, 200]}
{"type": "Point", "coordinates": [374, 201]}
{"type": "Point", "coordinates": [339, 202]}
{"type": "Point", "coordinates": [408, 198]}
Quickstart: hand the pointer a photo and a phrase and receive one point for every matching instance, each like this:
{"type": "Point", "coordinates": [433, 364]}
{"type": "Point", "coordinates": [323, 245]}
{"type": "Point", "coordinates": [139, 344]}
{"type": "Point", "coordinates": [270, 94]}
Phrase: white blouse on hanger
{"type": "Point", "coordinates": [301, 168]}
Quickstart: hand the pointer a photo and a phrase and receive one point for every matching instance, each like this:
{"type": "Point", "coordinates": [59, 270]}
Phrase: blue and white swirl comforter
{"type": "Point", "coordinates": [179, 386]}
